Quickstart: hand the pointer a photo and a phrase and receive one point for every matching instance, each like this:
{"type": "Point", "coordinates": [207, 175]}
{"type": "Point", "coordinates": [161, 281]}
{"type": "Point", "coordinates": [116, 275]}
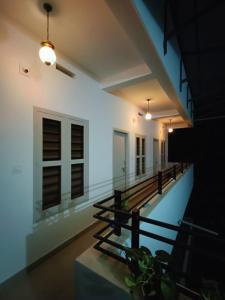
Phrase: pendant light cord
{"type": "Point", "coordinates": [47, 25]}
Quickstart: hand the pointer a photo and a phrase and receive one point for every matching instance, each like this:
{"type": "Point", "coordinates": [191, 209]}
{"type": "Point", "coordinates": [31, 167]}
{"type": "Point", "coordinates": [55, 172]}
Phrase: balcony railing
{"type": "Point", "coordinates": [111, 212]}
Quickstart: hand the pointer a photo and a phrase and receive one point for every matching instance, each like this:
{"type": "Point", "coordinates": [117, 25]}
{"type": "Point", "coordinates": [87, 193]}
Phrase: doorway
{"type": "Point", "coordinates": [119, 160]}
{"type": "Point", "coordinates": [155, 156]}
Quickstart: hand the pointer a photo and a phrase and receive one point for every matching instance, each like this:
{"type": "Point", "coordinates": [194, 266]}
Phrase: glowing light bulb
{"type": "Point", "coordinates": [148, 116]}
{"type": "Point", "coordinates": [47, 53]}
{"type": "Point", "coordinates": [170, 130]}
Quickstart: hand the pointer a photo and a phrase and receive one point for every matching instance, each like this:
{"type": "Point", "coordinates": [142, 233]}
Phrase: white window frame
{"type": "Point", "coordinates": [65, 162]}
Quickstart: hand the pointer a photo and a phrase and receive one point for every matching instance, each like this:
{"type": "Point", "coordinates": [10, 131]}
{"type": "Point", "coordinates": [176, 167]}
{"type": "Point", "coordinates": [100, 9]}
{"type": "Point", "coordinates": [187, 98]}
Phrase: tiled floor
{"type": "Point", "coordinates": [53, 279]}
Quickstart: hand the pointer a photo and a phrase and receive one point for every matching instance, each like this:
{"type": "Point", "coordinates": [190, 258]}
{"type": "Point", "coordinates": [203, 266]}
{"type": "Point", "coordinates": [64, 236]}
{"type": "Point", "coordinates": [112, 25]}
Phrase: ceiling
{"type": "Point", "coordinates": [138, 93]}
{"type": "Point", "coordinates": [175, 120]}
{"type": "Point", "coordinates": [84, 31]}
{"type": "Point", "coordinates": [90, 35]}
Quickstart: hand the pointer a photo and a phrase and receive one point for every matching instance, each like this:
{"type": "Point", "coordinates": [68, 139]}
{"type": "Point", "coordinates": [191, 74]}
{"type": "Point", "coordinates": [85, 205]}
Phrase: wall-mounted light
{"type": "Point", "coordinates": [46, 52]}
{"type": "Point", "coordinates": [148, 116]}
{"type": "Point", "coordinates": [170, 129]}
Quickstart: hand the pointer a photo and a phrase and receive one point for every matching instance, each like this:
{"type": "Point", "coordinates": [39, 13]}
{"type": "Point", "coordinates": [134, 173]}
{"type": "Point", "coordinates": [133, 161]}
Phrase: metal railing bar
{"type": "Point", "coordinates": [109, 253]}
{"type": "Point", "coordinates": [199, 227]}
{"type": "Point", "coordinates": [180, 245]}
{"type": "Point", "coordinates": [111, 221]}
{"type": "Point", "coordinates": [104, 219]}
{"type": "Point", "coordinates": [143, 181]}
{"type": "Point", "coordinates": [151, 196]}
{"type": "Point", "coordinates": [99, 236]}
{"type": "Point", "coordinates": [159, 223]}
{"type": "Point", "coordinates": [179, 229]}
{"type": "Point", "coordinates": [112, 210]}
{"type": "Point", "coordinates": [105, 200]}
{"type": "Point", "coordinates": [103, 229]}
{"type": "Point", "coordinates": [188, 291]}
{"type": "Point", "coordinates": [107, 241]}
{"type": "Point", "coordinates": [139, 190]}
{"type": "Point", "coordinates": [167, 183]}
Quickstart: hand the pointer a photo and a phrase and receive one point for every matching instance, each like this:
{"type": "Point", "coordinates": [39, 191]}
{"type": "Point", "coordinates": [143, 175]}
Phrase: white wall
{"type": "Point", "coordinates": [22, 241]}
{"type": "Point", "coordinates": [169, 208]}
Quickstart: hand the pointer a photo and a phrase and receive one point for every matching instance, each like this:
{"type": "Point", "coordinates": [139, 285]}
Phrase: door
{"type": "Point", "coordinates": [155, 156]}
{"type": "Point", "coordinates": [119, 160]}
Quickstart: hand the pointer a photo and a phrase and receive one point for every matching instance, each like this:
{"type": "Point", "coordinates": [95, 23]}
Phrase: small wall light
{"type": "Point", "coordinates": [46, 52]}
{"type": "Point", "coordinates": [170, 129]}
{"type": "Point", "coordinates": [148, 116]}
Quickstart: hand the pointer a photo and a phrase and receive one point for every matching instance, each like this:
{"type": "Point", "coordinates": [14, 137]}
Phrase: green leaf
{"type": "Point", "coordinates": [142, 266]}
{"type": "Point", "coordinates": [146, 250]}
{"type": "Point", "coordinates": [130, 281]}
{"type": "Point", "coordinates": [168, 288]}
{"type": "Point", "coordinates": [163, 256]}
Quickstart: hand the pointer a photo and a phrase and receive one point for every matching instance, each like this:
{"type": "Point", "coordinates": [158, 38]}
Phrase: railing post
{"type": "Point", "coordinates": [160, 182]}
{"type": "Point", "coordinates": [135, 229]}
{"type": "Point", "coordinates": [174, 172]}
{"type": "Point", "coordinates": [182, 167]}
{"type": "Point", "coordinates": [118, 205]}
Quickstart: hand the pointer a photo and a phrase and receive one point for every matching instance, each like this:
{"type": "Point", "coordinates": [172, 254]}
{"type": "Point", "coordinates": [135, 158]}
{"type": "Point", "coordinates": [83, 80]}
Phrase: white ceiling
{"type": "Point", "coordinates": [91, 36]}
{"type": "Point", "coordinates": [175, 120]}
{"type": "Point", "coordinates": [138, 93]}
{"type": "Point", "coordinates": [85, 31]}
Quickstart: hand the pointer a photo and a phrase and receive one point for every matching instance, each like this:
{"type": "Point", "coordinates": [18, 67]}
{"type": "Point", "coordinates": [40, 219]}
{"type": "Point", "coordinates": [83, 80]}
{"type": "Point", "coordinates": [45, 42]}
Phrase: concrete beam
{"type": "Point", "coordinates": [130, 19]}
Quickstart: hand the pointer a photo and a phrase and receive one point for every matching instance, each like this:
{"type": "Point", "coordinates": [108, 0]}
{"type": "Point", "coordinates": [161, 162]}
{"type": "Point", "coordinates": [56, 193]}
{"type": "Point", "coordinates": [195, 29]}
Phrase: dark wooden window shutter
{"type": "Point", "coordinates": [51, 186]}
{"type": "Point", "coordinates": [77, 142]}
{"type": "Point", "coordinates": [143, 146]}
{"type": "Point", "coordinates": [77, 180]}
{"type": "Point", "coordinates": [51, 140]}
{"type": "Point", "coordinates": [137, 146]}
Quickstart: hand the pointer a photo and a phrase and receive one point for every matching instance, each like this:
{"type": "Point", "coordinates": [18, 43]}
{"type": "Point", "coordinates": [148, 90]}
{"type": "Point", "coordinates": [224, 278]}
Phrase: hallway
{"type": "Point", "coordinates": [53, 278]}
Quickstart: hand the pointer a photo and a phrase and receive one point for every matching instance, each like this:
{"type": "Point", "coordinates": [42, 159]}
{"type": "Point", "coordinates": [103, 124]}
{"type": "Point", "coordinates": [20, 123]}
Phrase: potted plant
{"type": "Point", "coordinates": [149, 277]}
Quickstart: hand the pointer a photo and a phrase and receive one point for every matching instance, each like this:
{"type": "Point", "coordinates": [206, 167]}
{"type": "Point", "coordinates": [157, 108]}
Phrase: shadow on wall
{"type": "Point", "coordinates": [54, 231]}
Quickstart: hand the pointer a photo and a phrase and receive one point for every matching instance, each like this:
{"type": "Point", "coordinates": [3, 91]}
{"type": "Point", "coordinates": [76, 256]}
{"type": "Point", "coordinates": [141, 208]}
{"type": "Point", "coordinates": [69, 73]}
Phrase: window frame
{"type": "Point", "coordinates": [65, 162]}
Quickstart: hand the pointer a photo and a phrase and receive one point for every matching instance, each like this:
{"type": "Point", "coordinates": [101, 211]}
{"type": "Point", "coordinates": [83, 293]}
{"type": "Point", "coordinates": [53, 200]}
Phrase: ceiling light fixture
{"type": "Point", "coordinates": [46, 52]}
{"type": "Point", "coordinates": [170, 129]}
{"type": "Point", "coordinates": [148, 116]}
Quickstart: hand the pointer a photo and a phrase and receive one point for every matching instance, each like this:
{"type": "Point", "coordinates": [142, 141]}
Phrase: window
{"type": "Point", "coordinates": [61, 162]}
{"type": "Point", "coordinates": [140, 156]}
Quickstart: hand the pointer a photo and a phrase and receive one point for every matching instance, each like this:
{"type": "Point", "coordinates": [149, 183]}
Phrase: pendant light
{"type": "Point", "coordinates": [46, 52]}
{"type": "Point", "coordinates": [170, 129]}
{"type": "Point", "coordinates": [148, 116]}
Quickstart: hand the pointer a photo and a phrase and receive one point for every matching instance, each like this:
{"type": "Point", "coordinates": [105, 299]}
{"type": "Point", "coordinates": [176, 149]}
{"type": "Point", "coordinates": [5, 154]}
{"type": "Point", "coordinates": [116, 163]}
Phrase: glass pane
{"type": "Point", "coordinates": [143, 146]}
{"type": "Point", "coordinates": [137, 166]}
{"type": "Point", "coordinates": [77, 141]}
{"type": "Point", "coordinates": [137, 146]}
{"type": "Point", "coordinates": [51, 186]}
{"type": "Point", "coordinates": [51, 139]}
{"type": "Point", "coordinates": [77, 180]}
